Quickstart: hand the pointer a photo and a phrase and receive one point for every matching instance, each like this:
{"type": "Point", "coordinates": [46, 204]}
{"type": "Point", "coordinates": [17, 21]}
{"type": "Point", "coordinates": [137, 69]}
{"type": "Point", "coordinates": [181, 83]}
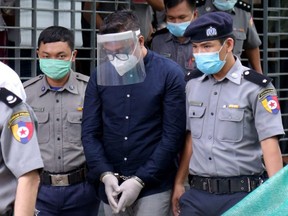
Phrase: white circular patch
{"type": "Point", "coordinates": [272, 104]}
{"type": "Point", "coordinates": [23, 132]}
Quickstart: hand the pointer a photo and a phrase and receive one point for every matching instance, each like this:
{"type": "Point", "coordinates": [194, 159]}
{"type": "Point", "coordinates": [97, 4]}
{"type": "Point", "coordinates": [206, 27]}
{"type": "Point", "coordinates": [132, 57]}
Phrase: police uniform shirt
{"type": "Point", "coordinates": [227, 120]}
{"type": "Point", "coordinates": [19, 153]}
{"type": "Point", "coordinates": [243, 26]}
{"type": "Point", "coordinates": [167, 45]}
{"type": "Point", "coordinates": [59, 114]}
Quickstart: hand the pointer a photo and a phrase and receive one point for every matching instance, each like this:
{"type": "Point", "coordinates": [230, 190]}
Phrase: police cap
{"type": "Point", "coordinates": [210, 26]}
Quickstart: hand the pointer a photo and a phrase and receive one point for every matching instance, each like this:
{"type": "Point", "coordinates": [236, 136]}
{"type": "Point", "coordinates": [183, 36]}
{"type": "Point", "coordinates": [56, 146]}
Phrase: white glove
{"type": "Point", "coordinates": [111, 189]}
{"type": "Point", "coordinates": [130, 190]}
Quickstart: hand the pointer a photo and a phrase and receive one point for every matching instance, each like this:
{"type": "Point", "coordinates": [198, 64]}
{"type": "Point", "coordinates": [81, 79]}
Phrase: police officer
{"type": "Point", "coordinates": [245, 33]}
{"type": "Point", "coordinates": [170, 41]}
{"type": "Point", "coordinates": [57, 99]}
{"type": "Point", "coordinates": [233, 119]}
{"type": "Point", "coordinates": [20, 158]}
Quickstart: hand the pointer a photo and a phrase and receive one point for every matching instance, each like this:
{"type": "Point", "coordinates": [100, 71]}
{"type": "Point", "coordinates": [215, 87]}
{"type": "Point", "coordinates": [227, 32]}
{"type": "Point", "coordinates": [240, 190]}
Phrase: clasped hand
{"type": "Point", "coordinates": [129, 191]}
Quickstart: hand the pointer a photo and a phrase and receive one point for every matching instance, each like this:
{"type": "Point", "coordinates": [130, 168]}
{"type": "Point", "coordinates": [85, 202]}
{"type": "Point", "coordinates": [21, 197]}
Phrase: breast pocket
{"type": "Point", "coordinates": [230, 125]}
{"type": "Point", "coordinates": [196, 117]}
{"type": "Point", "coordinates": [74, 126]}
{"type": "Point", "coordinates": [43, 127]}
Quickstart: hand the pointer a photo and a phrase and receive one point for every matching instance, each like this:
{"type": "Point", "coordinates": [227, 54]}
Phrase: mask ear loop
{"type": "Point", "coordinates": [71, 56]}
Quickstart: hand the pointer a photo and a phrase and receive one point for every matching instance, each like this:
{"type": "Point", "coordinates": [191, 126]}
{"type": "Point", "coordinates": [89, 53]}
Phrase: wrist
{"type": "Point", "coordinates": [138, 180]}
{"type": "Point", "coordinates": [105, 174]}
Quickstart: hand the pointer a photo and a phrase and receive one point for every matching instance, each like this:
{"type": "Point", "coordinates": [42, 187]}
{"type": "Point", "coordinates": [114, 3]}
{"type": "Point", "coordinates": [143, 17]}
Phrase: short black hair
{"type": "Point", "coordinates": [56, 34]}
{"type": "Point", "coordinates": [173, 3]}
{"type": "Point", "coordinates": [120, 21]}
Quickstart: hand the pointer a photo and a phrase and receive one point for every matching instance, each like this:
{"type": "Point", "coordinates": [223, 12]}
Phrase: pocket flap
{"type": "Point", "coordinates": [74, 117]}
{"type": "Point", "coordinates": [231, 115]}
{"type": "Point", "coordinates": [196, 111]}
{"type": "Point", "coordinates": [42, 117]}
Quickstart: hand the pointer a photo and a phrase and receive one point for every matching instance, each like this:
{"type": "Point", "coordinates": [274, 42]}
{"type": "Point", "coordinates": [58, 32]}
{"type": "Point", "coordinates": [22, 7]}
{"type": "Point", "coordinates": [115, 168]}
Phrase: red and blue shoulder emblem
{"type": "Point", "coordinates": [269, 100]}
{"type": "Point", "coordinates": [22, 130]}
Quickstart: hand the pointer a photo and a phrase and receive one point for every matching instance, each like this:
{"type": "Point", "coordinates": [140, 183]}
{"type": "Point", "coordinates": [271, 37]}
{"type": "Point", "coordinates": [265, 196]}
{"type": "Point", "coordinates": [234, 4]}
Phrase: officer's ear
{"type": "Point", "coordinates": [230, 44]}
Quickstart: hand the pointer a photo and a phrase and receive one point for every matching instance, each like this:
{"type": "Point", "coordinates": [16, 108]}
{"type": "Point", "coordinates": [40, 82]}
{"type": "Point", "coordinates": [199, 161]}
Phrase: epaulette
{"type": "Point", "coordinates": [81, 77]}
{"type": "Point", "coordinates": [200, 3]}
{"type": "Point", "coordinates": [257, 78]}
{"type": "Point", "coordinates": [159, 32]}
{"type": "Point", "coordinates": [9, 98]}
{"type": "Point", "coordinates": [243, 5]}
{"type": "Point", "coordinates": [32, 80]}
{"type": "Point", "coordinates": [193, 74]}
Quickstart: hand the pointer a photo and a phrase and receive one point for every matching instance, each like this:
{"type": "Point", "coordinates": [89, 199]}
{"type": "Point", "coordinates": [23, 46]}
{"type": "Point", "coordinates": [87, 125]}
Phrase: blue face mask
{"type": "Point", "coordinates": [177, 29]}
{"type": "Point", "coordinates": [224, 5]}
{"type": "Point", "coordinates": [209, 63]}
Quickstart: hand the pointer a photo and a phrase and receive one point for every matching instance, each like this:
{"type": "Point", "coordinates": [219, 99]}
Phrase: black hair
{"type": "Point", "coordinates": [120, 21]}
{"type": "Point", "coordinates": [173, 3]}
{"type": "Point", "coordinates": [56, 34]}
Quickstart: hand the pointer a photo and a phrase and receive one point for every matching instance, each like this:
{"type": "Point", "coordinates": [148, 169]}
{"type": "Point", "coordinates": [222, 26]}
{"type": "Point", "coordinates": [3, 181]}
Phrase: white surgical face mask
{"type": "Point", "coordinates": [124, 66]}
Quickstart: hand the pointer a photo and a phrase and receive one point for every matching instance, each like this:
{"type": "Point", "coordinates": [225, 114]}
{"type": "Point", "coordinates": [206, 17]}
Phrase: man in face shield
{"type": "Point", "coordinates": [133, 121]}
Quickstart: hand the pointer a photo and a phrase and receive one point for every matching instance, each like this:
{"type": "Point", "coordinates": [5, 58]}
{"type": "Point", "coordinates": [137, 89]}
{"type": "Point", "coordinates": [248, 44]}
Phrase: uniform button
{"type": "Point", "coordinates": [264, 80]}
{"type": "Point", "coordinates": [58, 138]}
{"type": "Point", "coordinates": [57, 101]}
{"type": "Point", "coordinates": [208, 9]}
{"type": "Point", "coordinates": [71, 87]}
{"type": "Point", "coordinates": [43, 88]}
{"type": "Point", "coordinates": [125, 159]}
{"type": "Point", "coordinates": [246, 73]}
{"type": "Point", "coordinates": [210, 158]}
{"type": "Point", "coordinates": [212, 113]}
{"type": "Point", "coordinates": [234, 75]}
{"type": "Point", "coordinates": [126, 117]}
{"type": "Point", "coordinates": [128, 95]}
{"type": "Point", "coordinates": [57, 119]}
{"type": "Point", "coordinates": [59, 157]}
{"type": "Point", "coordinates": [215, 93]}
{"type": "Point", "coordinates": [125, 138]}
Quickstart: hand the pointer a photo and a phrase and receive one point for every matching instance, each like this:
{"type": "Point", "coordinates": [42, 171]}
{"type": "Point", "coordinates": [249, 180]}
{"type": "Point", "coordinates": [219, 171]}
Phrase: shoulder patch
{"type": "Point", "coordinates": [193, 74]}
{"type": "Point", "coordinates": [200, 3]}
{"type": "Point", "coordinates": [33, 80]}
{"type": "Point", "coordinates": [9, 98]}
{"type": "Point", "coordinates": [82, 77]}
{"type": "Point", "coordinates": [243, 5]}
{"type": "Point", "coordinates": [257, 78]}
{"type": "Point", "coordinates": [269, 100]}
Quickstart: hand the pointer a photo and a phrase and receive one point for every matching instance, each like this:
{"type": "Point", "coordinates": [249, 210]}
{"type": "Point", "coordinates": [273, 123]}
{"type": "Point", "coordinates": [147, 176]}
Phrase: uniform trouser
{"type": "Point", "coordinates": [74, 200]}
{"type": "Point", "coordinates": [201, 203]}
{"type": "Point", "coordinates": [157, 204]}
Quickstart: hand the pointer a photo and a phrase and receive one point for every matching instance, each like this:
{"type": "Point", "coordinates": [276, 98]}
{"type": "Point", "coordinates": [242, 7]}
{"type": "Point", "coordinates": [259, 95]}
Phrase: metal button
{"type": "Point", "coordinates": [125, 138]}
{"type": "Point", "coordinates": [71, 87]}
{"type": "Point", "coordinates": [247, 73]}
{"type": "Point", "coordinates": [43, 88]}
{"type": "Point", "coordinates": [128, 95]}
{"type": "Point", "coordinates": [126, 117]}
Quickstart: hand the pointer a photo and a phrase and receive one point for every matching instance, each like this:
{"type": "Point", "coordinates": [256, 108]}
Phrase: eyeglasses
{"type": "Point", "coordinates": [122, 55]}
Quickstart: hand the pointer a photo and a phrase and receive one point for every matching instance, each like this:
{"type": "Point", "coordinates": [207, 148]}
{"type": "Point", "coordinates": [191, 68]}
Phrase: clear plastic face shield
{"type": "Point", "coordinates": [120, 60]}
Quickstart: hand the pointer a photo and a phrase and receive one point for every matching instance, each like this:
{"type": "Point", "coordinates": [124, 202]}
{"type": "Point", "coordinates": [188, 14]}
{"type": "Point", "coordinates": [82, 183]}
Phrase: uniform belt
{"type": "Point", "coordinates": [65, 179]}
{"type": "Point", "coordinates": [225, 185]}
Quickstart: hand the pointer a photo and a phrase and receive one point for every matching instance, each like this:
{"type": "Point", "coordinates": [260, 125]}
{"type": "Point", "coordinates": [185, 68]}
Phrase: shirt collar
{"type": "Point", "coordinates": [234, 74]}
{"type": "Point", "coordinates": [70, 85]}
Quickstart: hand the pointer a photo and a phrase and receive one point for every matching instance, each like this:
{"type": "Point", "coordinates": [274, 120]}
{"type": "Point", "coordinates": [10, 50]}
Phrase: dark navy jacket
{"type": "Point", "coordinates": [136, 129]}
